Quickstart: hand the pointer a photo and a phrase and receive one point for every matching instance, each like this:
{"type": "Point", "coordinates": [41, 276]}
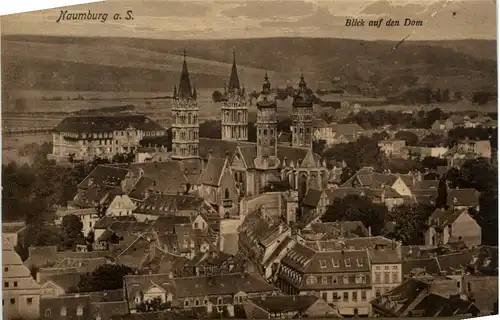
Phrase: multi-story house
{"type": "Point", "coordinates": [451, 225]}
{"type": "Point", "coordinates": [392, 148]}
{"type": "Point", "coordinates": [481, 148]}
{"type": "Point", "coordinates": [20, 293]}
{"type": "Point", "coordinates": [335, 133]}
{"type": "Point", "coordinates": [387, 270]}
{"type": "Point", "coordinates": [216, 294]}
{"type": "Point", "coordinates": [340, 277]}
{"type": "Point", "coordinates": [84, 138]}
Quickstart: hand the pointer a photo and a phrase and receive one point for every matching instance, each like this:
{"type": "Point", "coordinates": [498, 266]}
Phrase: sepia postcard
{"type": "Point", "coordinates": [250, 160]}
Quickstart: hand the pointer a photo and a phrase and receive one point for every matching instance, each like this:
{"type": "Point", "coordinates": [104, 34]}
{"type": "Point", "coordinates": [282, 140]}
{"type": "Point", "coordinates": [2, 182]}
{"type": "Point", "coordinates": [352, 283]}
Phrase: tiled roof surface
{"type": "Point", "coordinates": [95, 124]}
{"type": "Point", "coordinates": [463, 197]}
{"type": "Point", "coordinates": [213, 171]}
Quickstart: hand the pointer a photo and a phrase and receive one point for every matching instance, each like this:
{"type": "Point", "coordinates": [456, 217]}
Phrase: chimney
{"type": "Point", "coordinates": [369, 231]}
{"type": "Point", "coordinates": [170, 275]}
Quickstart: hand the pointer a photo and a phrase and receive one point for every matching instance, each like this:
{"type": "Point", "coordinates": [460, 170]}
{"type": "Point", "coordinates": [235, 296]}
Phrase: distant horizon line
{"type": "Point", "coordinates": [239, 39]}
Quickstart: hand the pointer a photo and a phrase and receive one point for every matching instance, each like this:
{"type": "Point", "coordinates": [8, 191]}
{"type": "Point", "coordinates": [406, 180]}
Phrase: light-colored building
{"type": "Point", "coordinates": [392, 148]}
{"type": "Point", "coordinates": [20, 293]}
{"type": "Point", "coordinates": [335, 133]}
{"type": "Point", "coordinates": [341, 277]}
{"type": "Point", "coordinates": [13, 231]}
{"type": "Point", "coordinates": [83, 138]}
{"type": "Point", "coordinates": [451, 225]}
{"type": "Point", "coordinates": [481, 148]}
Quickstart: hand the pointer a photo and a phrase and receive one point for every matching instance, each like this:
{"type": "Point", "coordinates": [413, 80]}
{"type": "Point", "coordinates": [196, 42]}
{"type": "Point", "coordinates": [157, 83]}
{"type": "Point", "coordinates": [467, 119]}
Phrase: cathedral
{"type": "Point", "coordinates": [253, 166]}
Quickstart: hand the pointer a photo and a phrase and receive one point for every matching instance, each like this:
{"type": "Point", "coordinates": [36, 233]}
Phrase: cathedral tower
{"type": "Point", "coordinates": [234, 109]}
{"type": "Point", "coordinates": [302, 116]}
{"type": "Point", "coordinates": [185, 127]}
{"type": "Point", "coordinates": [267, 123]}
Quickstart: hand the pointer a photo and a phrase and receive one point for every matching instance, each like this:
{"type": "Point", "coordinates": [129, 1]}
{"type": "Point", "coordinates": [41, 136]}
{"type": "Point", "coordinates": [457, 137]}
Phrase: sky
{"type": "Point", "coordinates": [225, 19]}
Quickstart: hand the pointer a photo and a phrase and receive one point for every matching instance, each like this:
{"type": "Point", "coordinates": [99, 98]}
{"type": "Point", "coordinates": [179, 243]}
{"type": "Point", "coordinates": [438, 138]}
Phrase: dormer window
{"type": "Point", "coordinates": [335, 280]}
{"type": "Point", "coordinates": [345, 279]}
{"type": "Point", "coordinates": [335, 263]}
{"type": "Point", "coordinates": [360, 262]}
{"type": "Point", "coordinates": [347, 262]}
{"type": "Point", "coordinates": [220, 301]}
{"type": "Point", "coordinates": [322, 263]}
{"type": "Point", "coordinates": [324, 280]}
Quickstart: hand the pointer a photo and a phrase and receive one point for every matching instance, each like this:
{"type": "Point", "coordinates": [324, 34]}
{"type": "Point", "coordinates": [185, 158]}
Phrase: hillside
{"type": "Point", "coordinates": [146, 65]}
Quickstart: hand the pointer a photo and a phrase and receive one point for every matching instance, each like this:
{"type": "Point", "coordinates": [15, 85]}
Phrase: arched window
{"type": "Point", "coordinates": [226, 193]}
{"type": "Point", "coordinates": [220, 301]}
{"type": "Point", "coordinates": [79, 311]}
{"type": "Point", "coordinates": [189, 118]}
{"type": "Point", "coordinates": [64, 311]}
{"type": "Point", "coordinates": [311, 280]}
{"type": "Point", "coordinates": [186, 303]}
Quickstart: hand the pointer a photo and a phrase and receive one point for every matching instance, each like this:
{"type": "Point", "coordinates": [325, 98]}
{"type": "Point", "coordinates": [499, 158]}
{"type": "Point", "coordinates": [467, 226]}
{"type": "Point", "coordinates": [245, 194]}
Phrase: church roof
{"type": "Point", "coordinates": [185, 91]}
{"type": "Point", "coordinates": [304, 96]}
{"type": "Point", "coordinates": [234, 81]}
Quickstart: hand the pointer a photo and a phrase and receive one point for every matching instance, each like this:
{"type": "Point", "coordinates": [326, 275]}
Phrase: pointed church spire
{"type": "Point", "coordinates": [195, 95]}
{"type": "Point", "coordinates": [184, 83]}
{"type": "Point", "coordinates": [302, 83]}
{"type": "Point", "coordinates": [266, 86]}
{"type": "Point", "coordinates": [225, 88]}
{"type": "Point", "coordinates": [234, 82]}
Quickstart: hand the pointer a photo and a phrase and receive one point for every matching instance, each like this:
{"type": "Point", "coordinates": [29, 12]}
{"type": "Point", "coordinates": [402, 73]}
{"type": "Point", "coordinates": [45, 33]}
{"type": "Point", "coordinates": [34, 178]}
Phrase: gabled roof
{"type": "Point", "coordinates": [212, 173]}
{"type": "Point", "coordinates": [442, 217]}
{"type": "Point", "coordinates": [312, 198]}
{"type": "Point", "coordinates": [100, 124]}
{"type": "Point", "coordinates": [65, 281]}
{"type": "Point", "coordinates": [279, 304]}
{"type": "Point", "coordinates": [463, 197]}
{"type": "Point", "coordinates": [105, 176]}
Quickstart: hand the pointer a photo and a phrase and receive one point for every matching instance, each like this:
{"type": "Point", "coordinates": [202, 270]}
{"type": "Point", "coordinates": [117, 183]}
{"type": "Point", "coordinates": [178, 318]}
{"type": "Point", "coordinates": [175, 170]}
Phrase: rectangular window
{"type": "Point", "coordinates": [363, 295]}
{"type": "Point", "coordinates": [12, 301]}
{"type": "Point", "coordinates": [15, 284]}
{"type": "Point", "coordinates": [395, 277]}
{"type": "Point", "coordinates": [325, 296]}
{"type": "Point", "coordinates": [346, 296]}
{"type": "Point", "coordinates": [6, 284]}
{"type": "Point", "coordinates": [355, 296]}
{"type": "Point", "coordinates": [377, 277]}
{"type": "Point", "coordinates": [29, 301]}
{"type": "Point", "coordinates": [387, 277]}
{"type": "Point", "coordinates": [6, 269]}
{"type": "Point", "coordinates": [335, 296]}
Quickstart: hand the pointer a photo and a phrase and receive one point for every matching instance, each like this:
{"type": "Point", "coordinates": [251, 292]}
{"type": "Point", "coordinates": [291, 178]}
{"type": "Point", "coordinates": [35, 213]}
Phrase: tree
{"type": "Point", "coordinates": [105, 277]}
{"type": "Point", "coordinates": [409, 223]}
{"type": "Point", "coordinates": [72, 230]}
{"type": "Point", "coordinates": [357, 208]}
{"type": "Point", "coordinates": [210, 129]}
{"type": "Point", "coordinates": [410, 138]}
{"type": "Point", "coordinates": [442, 194]}
{"type": "Point", "coordinates": [217, 96]}
{"type": "Point", "coordinates": [433, 162]}
{"type": "Point", "coordinates": [318, 146]}
{"type": "Point", "coordinates": [154, 305]}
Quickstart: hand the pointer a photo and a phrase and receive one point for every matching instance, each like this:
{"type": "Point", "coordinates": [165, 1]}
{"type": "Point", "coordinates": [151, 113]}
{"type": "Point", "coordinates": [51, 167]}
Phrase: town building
{"type": "Point", "coordinates": [341, 277]}
{"type": "Point", "coordinates": [392, 148]}
{"type": "Point", "coordinates": [234, 109]}
{"type": "Point", "coordinates": [302, 116]}
{"type": "Point", "coordinates": [335, 133]}
{"type": "Point", "coordinates": [451, 225]}
{"type": "Point", "coordinates": [288, 307]}
{"type": "Point", "coordinates": [84, 138]}
{"type": "Point", "coordinates": [20, 292]}
{"type": "Point", "coordinates": [14, 232]}
{"type": "Point", "coordinates": [216, 294]}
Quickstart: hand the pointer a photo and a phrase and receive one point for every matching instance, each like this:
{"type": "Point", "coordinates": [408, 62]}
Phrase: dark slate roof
{"type": "Point", "coordinates": [105, 176]}
{"type": "Point", "coordinates": [107, 310]}
{"type": "Point", "coordinates": [185, 91]}
{"type": "Point", "coordinates": [430, 266]}
{"type": "Point", "coordinates": [106, 221]}
{"type": "Point", "coordinates": [66, 280]}
{"type": "Point", "coordinates": [442, 217]}
{"type": "Point", "coordinates": [307, 260]}
{"type": "Point", "coordinates": [278, 304]}
{"type": "Point", "coordinates": [212, 173]}
{"type": "Point", "coordinates": [464, 197]}
{"type": "Point", "coordinates": [69, 303]}
{"type": "Point", "coordinates": [234, 82]}
{"type": "Point", "coordinates": [99, 124]}
{"type": "Point", "coordinates": [312, 198]}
